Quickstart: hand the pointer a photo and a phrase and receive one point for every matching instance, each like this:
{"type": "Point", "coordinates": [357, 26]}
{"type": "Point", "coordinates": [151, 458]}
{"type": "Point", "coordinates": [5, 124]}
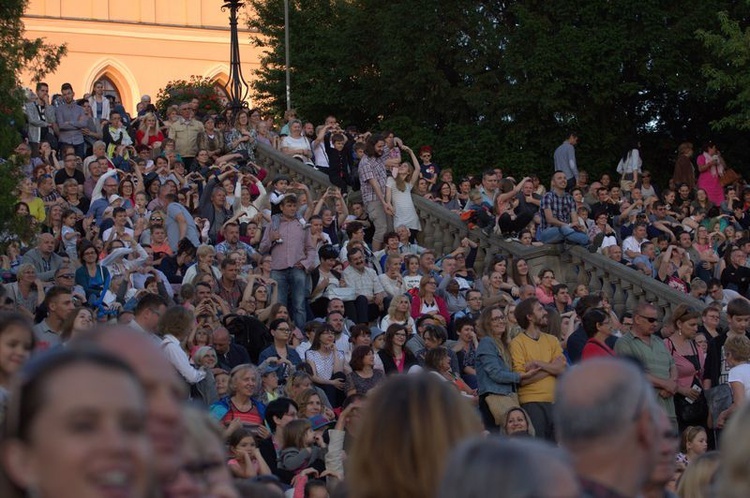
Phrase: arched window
{"type": "Point", "coordinates": [110, 88]}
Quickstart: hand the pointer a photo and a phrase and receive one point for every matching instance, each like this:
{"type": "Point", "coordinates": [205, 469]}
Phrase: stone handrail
{"type": "Point", "coordinates": [443, 230]}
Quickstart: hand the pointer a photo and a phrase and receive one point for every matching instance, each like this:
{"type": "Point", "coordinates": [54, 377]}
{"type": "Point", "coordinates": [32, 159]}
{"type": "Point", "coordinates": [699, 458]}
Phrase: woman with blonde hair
{"type": "Point", "coordinates": [435, 417]}
{"type": "Point", "coordinates": [427, 302]}
{"type": "Point", "coordinates": [496, 380]}
{"type": "Point", "coordinates": [737, 351]}
{"type": "Point", "coordinates": [698, 478]}
{"type": "Point", "coordinates": [733, 478]}
{"type": "Point", "coordinates": [398, 312]}
{"type": "Point", "coordinates": [148, 133]}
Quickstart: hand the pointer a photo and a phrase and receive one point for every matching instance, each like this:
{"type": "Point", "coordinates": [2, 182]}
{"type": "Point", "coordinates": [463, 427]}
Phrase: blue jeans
{"type": "Point", "coordinates": [292, 280]}
{"type": "Point", "coordinates": [555, 235]}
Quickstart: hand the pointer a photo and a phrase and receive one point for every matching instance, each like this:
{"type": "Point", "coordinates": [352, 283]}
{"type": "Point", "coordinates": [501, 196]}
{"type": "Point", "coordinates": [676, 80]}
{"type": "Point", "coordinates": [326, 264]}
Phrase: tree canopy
{"type": "Point", "coordinates": [17, 54]}
{"type": "Point", "coordinates": [502, 82]}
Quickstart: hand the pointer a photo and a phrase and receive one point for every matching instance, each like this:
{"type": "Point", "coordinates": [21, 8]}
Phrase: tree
{"type": "Point", "coordinates": [18, 53]}
{"type": "Point", "coordinates": [500, 82]}
{"type": "Point", "coordinates": [728, 72]}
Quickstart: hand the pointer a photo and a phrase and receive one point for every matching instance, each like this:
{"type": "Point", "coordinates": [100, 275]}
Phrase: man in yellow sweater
{"type": "Point", "coordinates": [533, 349]}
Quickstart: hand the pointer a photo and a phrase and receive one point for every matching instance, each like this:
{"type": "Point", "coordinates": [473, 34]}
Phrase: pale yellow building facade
{"type": "Point", "coordinates": [137, 46]}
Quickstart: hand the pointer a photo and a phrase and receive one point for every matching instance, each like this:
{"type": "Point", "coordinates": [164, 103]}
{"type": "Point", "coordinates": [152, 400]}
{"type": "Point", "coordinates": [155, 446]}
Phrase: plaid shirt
{"type": "Point", "coordinates": [373, 167]}
{"type": "Point", "coordinates": [561, 206]}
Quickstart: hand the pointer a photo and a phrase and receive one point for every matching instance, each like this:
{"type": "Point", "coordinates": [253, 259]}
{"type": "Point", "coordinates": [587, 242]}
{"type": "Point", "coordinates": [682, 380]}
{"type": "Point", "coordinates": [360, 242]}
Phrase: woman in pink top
{"type": "Point", "coordinates": [711, 168]}
{"type": "Point", "coordinates": [544, 289]}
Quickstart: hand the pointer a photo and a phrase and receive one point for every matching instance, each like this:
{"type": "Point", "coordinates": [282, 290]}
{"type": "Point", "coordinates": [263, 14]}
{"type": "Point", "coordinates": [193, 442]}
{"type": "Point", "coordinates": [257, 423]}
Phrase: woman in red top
{"type": "Point", "coordinates": [597, 327]}
{"type": "Point", "coordinates": [148, 132]}
{"type": "Point", "coordinates": [427, 302]}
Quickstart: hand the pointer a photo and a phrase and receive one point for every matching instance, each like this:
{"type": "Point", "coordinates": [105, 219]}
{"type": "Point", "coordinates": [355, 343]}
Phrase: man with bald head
{"type": "Point", "coordinates": [43, 257]}
{"type": "Point", "coordinates": [228, 353]}
{"type": "Point", "coordinates": [607, 417]}
{"type": "Point", "coordinates": [165, 392]}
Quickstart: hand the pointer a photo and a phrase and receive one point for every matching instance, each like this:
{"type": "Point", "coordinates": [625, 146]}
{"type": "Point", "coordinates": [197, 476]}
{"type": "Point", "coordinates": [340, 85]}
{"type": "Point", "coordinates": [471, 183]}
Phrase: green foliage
{"type": "Point", "coordinates": [502, 82]}
{"type": "Point", "coordinates": [179, 91]}
{"type": "Point", "coordinates": [12, 227]}
{"type": "Point", "coordinates": [729, 70]}
{"type": "Point", "coordinates": [19, 53]}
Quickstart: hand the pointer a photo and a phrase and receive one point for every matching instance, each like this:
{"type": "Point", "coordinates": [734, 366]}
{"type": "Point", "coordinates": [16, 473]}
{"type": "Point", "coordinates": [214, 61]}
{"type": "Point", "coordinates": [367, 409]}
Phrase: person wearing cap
{"type": "Point", "coordinates": [269, 381]}
{"type": "Point", "coordinates": [428, 170]}
{"type": "Point", "coordinates": [286, 356]}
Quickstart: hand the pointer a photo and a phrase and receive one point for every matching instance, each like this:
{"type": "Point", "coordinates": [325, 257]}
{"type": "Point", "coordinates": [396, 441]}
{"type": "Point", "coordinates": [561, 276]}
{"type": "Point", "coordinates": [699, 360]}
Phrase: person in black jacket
{"type": "Point", "coordinates": [396, 358]}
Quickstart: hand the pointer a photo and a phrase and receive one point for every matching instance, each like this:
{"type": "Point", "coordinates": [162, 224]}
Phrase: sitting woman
{"type": "Point", "coordinates": [398, 313]}
{"type": "Point", "coordinates": [510, 220]}
{"type": "Point", "coordinates": [427, 302]}
{"type": "Point", "coordinates": [395, 357]}
{"type": "Point", "coordinates": [446, 196]}
{"type": "Point", "coordinates": [544, 289]}
{"type": "Point", "coordinates": [295, 144]}
{"type": "Point", "coordinates": [241, 138]}
{"type": "Point", "coordinates": [496, 291]}
{"type": "Point", "coordinates": [92, 277]}
{"type": "Point", "coordinates": [465, 349]}
{"type": "Point", "coordinates": [518, 423]}
{"type": "Point", "coordinates": [597, 326]}
{"type": "Point", "coordinates": [363, 376]}
{"type": "Point", "coordinates": [242, 402]}
{"type": "Point", "coordinates": [327, 365]}
{"type": "Point", "coordinates": [438, 361]}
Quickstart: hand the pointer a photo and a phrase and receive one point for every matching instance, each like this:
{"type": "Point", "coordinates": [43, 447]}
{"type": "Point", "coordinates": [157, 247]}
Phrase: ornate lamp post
{"type": "Point", "coordinates": [237, 87]}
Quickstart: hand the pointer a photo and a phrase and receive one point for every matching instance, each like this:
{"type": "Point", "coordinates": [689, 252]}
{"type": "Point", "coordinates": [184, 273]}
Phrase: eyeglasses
{"type": "Point", "coordinates": [66, 275]}
{"type": "Point", "coordinates": [650, 319]}
{"type": "Point", "coordinates": [285, 329]}
{"type": "Point", "coordinates": [498, 318]}
{"type": "Point", "coordinates": [399, 334]}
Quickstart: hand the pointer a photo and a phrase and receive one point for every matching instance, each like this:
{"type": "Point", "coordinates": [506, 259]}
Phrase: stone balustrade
{"type": "Point", "coordinates": [443, 230]}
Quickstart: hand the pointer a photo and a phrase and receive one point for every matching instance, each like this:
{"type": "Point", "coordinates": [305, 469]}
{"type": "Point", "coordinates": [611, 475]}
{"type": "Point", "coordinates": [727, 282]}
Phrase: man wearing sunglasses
{"type": "Point", "coordinates": [651, 352]}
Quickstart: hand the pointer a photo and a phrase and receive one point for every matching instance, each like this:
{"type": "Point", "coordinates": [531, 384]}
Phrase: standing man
{"type": "Point", "coordinates": [293, 255]}
{"type": "Point", "coordinates": [372, 176]}
{"type": "Point", "coordinates": [534, 350]}
{"type": "Point", "coordinates": [658, 364]}
{"type": "Point", "coordinates": [185, 132]}
{"type": "Point", "coordinates": [71, 119]}
{"type": "Point", "coordinates": [607, 418]}
{"type": "Point", "coordinates": [179, 224]}
{"type": "Point", "coordinates": [559, 216]}
{"type": "Point", "coordinates": [41, 118]}
{"type": "Point", "coordinates": [565, 160]}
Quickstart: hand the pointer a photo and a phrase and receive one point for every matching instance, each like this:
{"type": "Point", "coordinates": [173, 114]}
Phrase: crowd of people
{"type": "Point", "coordinates": [188, 323]}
